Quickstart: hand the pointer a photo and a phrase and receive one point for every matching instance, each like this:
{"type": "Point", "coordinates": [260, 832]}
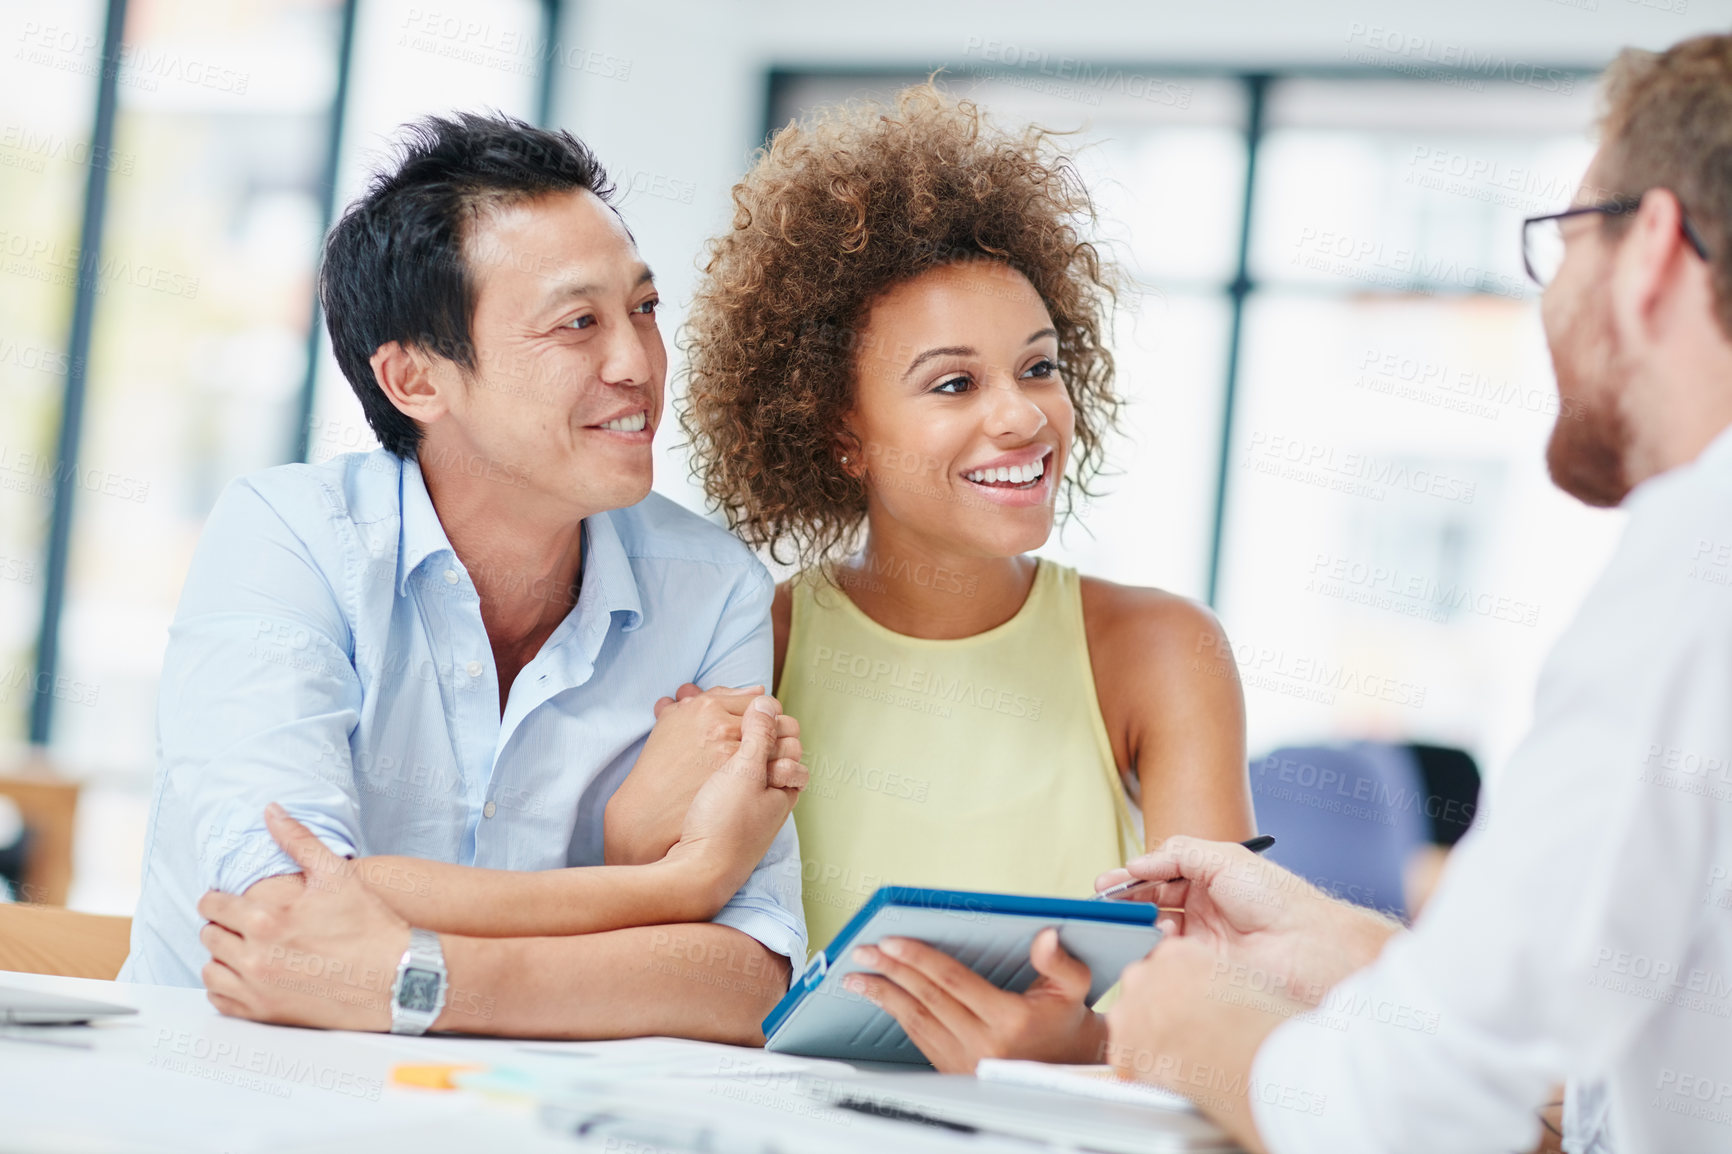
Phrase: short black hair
{"type": "Point", "coordinates": [393, 267]}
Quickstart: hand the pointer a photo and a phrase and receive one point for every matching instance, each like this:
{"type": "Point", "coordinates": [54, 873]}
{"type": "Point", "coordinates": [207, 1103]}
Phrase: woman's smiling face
{"type": "Point", "coordinates": [961, 425]}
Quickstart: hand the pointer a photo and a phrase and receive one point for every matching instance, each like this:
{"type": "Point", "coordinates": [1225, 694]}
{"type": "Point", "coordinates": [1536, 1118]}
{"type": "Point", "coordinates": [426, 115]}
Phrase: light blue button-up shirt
{"type": "Point", "coordinates": [328, 654]}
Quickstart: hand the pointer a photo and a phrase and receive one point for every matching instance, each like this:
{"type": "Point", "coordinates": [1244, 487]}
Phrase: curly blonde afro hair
{"type": "Point", "coordinates": [837, 210]}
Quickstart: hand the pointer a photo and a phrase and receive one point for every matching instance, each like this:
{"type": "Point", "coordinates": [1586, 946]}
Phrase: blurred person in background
{"type": "Point", "coordinates": [1582, 930]}
{"type": "Point", "coordinates": [436, 662]}
{"type": "Point", "coordinates": [898, 376]}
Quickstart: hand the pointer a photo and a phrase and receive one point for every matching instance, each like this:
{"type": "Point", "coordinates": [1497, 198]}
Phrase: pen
{"type": "Point", "coordinates": [1255, 845]}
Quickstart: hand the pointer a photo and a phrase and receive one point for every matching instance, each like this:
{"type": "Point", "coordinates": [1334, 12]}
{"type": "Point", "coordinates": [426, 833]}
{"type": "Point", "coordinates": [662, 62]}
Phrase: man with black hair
{"type": "Point", "coordinates": [402, 687]}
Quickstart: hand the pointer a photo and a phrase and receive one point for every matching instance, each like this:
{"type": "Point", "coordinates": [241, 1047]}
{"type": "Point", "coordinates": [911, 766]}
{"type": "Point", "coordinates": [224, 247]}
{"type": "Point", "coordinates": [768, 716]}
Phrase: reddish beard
{"type": "Point", "coordinates": [1591, 439]}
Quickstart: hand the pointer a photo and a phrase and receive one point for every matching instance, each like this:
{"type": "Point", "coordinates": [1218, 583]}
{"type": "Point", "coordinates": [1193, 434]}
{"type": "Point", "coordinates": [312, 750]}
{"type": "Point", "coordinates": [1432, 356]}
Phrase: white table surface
{"type": "Point", "coordinates": [180, 1077]}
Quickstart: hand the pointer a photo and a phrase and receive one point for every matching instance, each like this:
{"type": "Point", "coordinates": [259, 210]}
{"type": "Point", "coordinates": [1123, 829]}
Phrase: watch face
{"type": "Point", "coordinates": [419, 990]}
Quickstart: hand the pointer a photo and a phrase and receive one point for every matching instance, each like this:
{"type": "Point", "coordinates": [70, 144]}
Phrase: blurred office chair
{"type": "Point", "coordinates": [36, 935]}
{"type": "Point", "coordinates": [1452, 782]}
{"type": "Point", "coordinates": [1345, 817]}
{"type": "Point", "coordinates": [49, 804]}
{"type": "Point", "coordinates": [46, 940]}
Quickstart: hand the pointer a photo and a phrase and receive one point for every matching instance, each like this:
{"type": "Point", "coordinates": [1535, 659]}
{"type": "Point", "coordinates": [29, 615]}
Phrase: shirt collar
{"type": "Point", "coordinates": [608, 585]}
{"type": "Point", "coordinates": [1716, 456]}
{"type": "Point", "coordinates": [423, 535]}
{"type": "Point", "coordinates": [1714, 459]}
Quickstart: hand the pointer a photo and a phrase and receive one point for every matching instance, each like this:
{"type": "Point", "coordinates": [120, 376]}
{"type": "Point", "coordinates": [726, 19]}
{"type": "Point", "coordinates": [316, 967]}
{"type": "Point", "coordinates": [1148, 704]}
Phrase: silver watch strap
{"type": "Point", "coordinates": [425, 957]}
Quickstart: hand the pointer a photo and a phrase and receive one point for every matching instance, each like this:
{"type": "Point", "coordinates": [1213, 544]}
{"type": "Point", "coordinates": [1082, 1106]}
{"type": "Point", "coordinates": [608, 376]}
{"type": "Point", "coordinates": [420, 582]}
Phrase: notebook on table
{"type": "Point", "coordinates": [36, 1008]}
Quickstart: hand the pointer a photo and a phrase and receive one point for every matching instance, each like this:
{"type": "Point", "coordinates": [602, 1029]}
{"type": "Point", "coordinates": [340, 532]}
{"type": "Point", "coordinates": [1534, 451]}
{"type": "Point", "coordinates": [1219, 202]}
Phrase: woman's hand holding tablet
{"type": "Point", "coordinates": [957, 1017]}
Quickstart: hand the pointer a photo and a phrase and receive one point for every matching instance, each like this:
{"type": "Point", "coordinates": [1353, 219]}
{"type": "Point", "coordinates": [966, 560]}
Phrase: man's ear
{"type": "Point", "coordinates": [1647, 265]}
{"type": "Point", "coordinates": [407, 377]}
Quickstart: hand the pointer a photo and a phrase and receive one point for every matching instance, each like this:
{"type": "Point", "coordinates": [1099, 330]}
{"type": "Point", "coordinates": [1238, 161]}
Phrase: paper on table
{"type": "Point", "coordinates": [678, 1058]}
{"type": "Point", "coordinates": [1087, 1081]}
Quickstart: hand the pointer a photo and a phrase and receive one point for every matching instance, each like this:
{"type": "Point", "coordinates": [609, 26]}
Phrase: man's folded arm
{"type": "Point", "coordinates": [259, 696]}
{"type": "Point", "coordinates": [701, 981]}
{"type": "Point", "coordinates": [768, 907]}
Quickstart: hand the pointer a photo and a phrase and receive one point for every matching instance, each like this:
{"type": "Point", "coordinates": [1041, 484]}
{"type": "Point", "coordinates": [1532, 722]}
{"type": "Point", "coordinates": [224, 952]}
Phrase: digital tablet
{"type": "Point", "coordinates": [989, 933]}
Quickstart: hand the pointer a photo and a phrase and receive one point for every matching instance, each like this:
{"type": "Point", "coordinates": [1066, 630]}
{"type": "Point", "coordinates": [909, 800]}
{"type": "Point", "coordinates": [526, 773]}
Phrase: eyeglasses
{"type": "Point", "coordinates": [1543, 236]}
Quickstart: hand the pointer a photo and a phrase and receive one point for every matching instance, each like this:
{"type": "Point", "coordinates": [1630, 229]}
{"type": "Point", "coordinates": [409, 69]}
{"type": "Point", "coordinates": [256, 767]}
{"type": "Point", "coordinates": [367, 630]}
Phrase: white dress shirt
{"type": "Point", "coordinates": [1583, 927]}
{"type": "Point", "coordinates": [328, 654]}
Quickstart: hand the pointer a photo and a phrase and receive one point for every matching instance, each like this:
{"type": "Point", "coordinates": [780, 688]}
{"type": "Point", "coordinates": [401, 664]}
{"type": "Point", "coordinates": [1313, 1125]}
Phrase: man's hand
{"type": "Point", "coordinates": [738, 811]}
{"type": "Point", "coordinates": [1251, 911]}
{"type": "Point", "coordinates": [695, 733]}
{"type": "Point", "coordinates": [324, 957]}
{"type": "Point", "coordinates": [957, 1017]}
{"type": "Point", "coordinates": [277, 891]}
{"type": "Point", "coordinates": [1171, 1026]}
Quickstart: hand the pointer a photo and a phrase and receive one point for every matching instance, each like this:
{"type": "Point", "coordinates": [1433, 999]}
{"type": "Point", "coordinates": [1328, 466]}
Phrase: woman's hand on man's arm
{"type": "Point", "coordinates": [696, 732]}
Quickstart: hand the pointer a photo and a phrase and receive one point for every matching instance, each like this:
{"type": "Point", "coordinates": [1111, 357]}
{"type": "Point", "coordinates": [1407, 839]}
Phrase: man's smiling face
{"type": "Point", "coordinates": [566, 390]}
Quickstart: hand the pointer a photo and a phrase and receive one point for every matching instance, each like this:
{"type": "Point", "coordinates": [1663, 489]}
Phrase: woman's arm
{"type": "Point", "coordinates": [494, 903]}
{"type": "Point", "coordinates": [1169, 694]}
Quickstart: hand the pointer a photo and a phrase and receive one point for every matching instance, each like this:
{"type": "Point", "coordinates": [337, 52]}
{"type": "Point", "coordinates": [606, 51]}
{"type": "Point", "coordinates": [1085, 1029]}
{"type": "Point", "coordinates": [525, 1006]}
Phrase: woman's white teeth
{"type": "Point", "coordinates": [631, 424]}
{"type": "Point", "coordinates": [1009, 474]}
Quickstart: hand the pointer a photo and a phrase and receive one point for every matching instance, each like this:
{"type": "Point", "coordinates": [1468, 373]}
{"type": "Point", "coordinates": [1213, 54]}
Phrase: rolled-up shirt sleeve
{"type": "Point", "coordinates": [259, 698]}
{"type": "Point", "coordinates": [767, 906]}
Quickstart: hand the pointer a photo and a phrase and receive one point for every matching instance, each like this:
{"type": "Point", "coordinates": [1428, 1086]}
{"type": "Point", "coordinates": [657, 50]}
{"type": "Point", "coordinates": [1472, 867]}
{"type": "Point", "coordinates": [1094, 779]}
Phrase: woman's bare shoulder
{"type": "Point", "coordinates": [1145, 624]}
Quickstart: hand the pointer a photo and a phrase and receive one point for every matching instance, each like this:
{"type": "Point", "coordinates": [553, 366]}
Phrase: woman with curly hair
{"type": "Point", "coordinates": [899, 377]}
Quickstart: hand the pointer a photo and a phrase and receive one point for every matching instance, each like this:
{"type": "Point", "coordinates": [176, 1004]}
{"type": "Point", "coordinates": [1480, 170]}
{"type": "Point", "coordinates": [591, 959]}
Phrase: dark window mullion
{"type": "Point", "coordinates": [300, 441]}
{"type": "Point", "coordinates": [552, 14]}
{"type": "Point", "coordinates": [77, 374]}
{"type": "Point", "coordinates": [1256, 95]}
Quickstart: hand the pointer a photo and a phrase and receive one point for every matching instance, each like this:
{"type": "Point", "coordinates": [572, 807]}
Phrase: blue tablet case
{"type": "Point", "coordinates": [989, 933]}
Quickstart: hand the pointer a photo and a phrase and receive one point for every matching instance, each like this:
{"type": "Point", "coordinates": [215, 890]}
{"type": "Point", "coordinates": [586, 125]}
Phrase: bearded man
{"type": "Point", "coordinates": [1582, 931]}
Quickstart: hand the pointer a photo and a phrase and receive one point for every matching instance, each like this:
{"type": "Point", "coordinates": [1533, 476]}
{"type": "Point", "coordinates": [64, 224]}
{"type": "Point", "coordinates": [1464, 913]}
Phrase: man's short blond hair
{"type": "Point", "coordinates": [1667, 123]}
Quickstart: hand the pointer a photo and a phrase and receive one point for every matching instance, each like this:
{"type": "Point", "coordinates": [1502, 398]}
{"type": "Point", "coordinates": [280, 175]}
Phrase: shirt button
{"type": "Point", "coordinates": [474, 670]}
{"type": "Point", "coordinates": [487, 810]}
{"type": "Point", "coordinates": [450, 576]}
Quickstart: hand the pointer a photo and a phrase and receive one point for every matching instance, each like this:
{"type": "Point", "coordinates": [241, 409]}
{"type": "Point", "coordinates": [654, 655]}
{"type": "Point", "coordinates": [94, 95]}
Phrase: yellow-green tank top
{"type": "Point", "coordinates": [980, 763]}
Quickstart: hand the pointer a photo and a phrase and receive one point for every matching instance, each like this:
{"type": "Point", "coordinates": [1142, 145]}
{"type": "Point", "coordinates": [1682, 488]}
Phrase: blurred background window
{"type": "Point", "coordinates": [419, 60]}
{"type": "Point", "coordinates": [217, 197]}
{"type": "Point", "coordinates": [1339, 389]}
{"type": "Point", "coordinates": [48, 93]}
{"type": "Point", "coordinates": [1395, 560]}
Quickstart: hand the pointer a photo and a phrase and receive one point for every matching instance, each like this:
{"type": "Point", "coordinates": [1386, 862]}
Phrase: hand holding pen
{"type": "Point", "coordinates": [1126, 890]}
{"type": "Point", "coordinates": [1255, 913]}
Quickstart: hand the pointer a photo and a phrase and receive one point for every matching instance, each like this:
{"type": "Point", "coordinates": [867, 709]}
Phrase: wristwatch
{"type": "Point", "coordinates": [418, 993]}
